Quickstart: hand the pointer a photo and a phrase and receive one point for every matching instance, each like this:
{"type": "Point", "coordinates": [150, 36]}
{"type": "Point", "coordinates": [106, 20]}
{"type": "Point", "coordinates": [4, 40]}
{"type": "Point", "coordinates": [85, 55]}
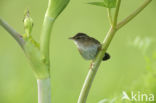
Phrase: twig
{"type": "Point", "coordinates": [133, 14]}
{"type": "Point", "coordinates": [116, 13]}
{"type": "Point", "coordinates": [109, 16]}
{"type": "Point", "coordinates": [12, 32]}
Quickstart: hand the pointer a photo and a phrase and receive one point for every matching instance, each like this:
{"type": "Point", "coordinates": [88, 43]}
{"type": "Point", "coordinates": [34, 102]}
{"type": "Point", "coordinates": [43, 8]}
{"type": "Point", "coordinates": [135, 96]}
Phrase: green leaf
{"type": "Point", "coordinates": [56, 7]}
{"type": "Point", "coordinates": [110, 3]}
{"type": "Point", "coordinates": [105, 3]}
{"type": "Point", "coordinates": [97, 3]}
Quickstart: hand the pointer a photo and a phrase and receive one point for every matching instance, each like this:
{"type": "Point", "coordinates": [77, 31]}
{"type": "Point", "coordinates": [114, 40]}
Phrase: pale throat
{"type": "Point", "coordinates": [80, 45]}
{"type": "Point", "coordinates": [84, 47]}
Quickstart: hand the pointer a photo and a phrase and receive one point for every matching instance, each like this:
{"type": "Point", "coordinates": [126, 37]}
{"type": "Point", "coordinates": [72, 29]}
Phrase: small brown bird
{"type": "Point", "coordinates": [88, 46]}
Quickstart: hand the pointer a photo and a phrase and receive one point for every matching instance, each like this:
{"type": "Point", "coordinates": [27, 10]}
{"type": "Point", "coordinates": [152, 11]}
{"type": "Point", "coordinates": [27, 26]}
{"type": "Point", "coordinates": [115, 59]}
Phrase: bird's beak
{"type": "Point", "coordinates": [71, 38]}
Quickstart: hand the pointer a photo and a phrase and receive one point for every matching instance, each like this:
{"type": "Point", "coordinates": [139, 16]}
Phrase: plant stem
{"type": "Point", "coordinates": [44, 87]}
{"type": "Point", "coordinates": [109, 16]}
{"type": "Point", "coordinates": [116, 13]}
{"type": "Point", "coordinates": [96, 63]}
{"type": "Point", "coordinates": [45, 36]}
{"type": "Point", "coordinates": [12, 32]}
{"type": "Point", "coordinates": [55, 7]}
{"type": "Point", "coordinates": [133, 14]}
{"type": "Point", "coordinates": [44, 91]}
{"type": "Point", "coordinates": [46, 33]}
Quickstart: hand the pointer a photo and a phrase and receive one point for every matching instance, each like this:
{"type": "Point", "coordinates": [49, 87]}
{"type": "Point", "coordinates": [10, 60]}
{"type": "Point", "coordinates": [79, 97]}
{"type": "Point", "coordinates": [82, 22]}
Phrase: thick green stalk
{"type": "Point", "coordinates": [55, 7]}
{"type": "Point", "coordinates": [45, 36]}
{"type": "Point", "coordinates": [96, 63]}
{"type": "Point", "coordinates": [44, 89]}
{"type": "Point", "coordinates": [39, 56]}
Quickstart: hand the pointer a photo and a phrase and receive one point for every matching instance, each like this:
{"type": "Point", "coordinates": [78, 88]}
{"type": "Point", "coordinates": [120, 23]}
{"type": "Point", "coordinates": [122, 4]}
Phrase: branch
{"type": "Point", "coordinates": [94, 67]}
{"type": "Point", "coordinates": [109, 16]}
{"type": "Point", "coordinates": [116, 13]}
{"type": "Point", "coordinates": [132, 15]}
{"type": "Point", "coordinates": [13, 33]}
{"type": "Point", "coordinates": [96, 63]}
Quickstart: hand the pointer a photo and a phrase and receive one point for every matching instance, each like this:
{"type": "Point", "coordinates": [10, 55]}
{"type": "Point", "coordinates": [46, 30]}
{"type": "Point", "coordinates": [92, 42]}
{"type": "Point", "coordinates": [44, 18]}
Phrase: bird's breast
{"type": "Point", "coordinates": [88, 52]}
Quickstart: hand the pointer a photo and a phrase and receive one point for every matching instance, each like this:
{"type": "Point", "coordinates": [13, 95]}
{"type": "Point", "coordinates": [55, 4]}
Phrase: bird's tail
{"type": "Point", "coordinates": [106, 57]}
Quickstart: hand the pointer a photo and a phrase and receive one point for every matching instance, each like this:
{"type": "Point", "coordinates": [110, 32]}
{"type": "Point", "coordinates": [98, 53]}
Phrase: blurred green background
{"type": "Point", "coordinates": [132, 66]}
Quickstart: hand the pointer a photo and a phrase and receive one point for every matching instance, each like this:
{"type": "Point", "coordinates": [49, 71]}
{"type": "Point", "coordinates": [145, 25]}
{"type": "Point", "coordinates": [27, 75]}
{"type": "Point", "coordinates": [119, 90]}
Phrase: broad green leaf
{"type": "Point", "coordinates": [97, 3]}
{"type": "Point", "coordinates": [110, 3]}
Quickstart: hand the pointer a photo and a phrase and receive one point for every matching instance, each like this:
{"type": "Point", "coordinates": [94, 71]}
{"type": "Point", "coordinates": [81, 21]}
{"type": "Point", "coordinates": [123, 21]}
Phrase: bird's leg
{"type": "Point", "coordinates": [91, 65]}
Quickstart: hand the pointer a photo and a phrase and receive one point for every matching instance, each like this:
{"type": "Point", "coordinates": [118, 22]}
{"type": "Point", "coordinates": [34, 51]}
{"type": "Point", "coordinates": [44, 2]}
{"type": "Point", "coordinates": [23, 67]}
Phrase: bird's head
{"type": "Point", "coordinates": [80, 37]}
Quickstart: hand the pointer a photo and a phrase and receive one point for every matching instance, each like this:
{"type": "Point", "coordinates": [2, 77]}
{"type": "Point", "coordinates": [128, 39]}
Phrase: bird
{"type": "Point", "coordinates": [88, 46]}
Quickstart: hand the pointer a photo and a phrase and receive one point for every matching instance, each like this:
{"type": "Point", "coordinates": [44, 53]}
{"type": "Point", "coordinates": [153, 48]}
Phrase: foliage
{"type": "Point", "coordinates": [56, 7]}
{"type": "Point", "coordinates": [105, 3]}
